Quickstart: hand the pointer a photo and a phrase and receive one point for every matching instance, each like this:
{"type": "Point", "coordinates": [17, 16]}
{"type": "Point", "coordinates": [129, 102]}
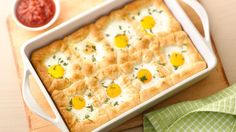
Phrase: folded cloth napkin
{"type": "Point", "coordinates": [216, 113]}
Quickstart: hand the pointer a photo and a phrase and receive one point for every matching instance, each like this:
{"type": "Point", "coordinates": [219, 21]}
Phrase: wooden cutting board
{"type": "Point", "coordinates": [216, 81]}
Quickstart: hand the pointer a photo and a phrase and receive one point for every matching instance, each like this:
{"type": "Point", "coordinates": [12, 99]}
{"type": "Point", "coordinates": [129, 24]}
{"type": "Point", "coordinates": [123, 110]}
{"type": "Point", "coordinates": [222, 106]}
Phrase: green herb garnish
{"type": "Point", "coordinates": [69, 108]}
{"type": "Point", "coordinates": [120, 27]}
{"type": "Point", "coordinates": [116, 103]}
{"type": "Point", "coordinates": [160, 63]}
{"type": "Point", "coordinates": [138, 13]}
{"type": "Point", "coordinates": [106, 100]}
{"type": "Point", "coordinates": [143, 78]}
{"type": "Point", "coordinates": [89, 94]}
{"type": "Point", "coordinates": [86, 116]}
{"type": "Point", "coordinates": [176, 67]}
{"type": "Point", "coordinates": [93, 58]}
{"type": "Point", "coordinates": [151, 31]}
{"type": "Point", "coordinates": [90, 107]}
{"type": "Point", "coordinates": [94, 48]}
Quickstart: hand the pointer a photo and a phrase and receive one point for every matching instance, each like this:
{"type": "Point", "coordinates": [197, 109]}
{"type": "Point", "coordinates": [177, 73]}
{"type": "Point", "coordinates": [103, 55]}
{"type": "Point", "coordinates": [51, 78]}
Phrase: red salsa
{"type": "Point", "coordinates": [35, 13]}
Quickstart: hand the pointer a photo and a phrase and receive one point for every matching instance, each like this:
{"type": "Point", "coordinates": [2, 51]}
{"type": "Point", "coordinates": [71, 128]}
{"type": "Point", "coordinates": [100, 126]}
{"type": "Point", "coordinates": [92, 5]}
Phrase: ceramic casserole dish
{"type": "Point", "coordinates": [203, 45]}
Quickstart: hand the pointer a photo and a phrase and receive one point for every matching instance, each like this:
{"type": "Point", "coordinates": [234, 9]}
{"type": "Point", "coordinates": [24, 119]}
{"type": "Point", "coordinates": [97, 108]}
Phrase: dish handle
{"type": "Point", "coordinates": [201, 12]}
{"type": "Point", "coordinates": [30, 100]}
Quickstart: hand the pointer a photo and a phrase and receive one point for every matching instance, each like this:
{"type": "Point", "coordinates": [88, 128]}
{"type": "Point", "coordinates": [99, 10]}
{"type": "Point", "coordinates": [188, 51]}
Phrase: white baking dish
{"type": "Point", "coordinates": [202, 44]}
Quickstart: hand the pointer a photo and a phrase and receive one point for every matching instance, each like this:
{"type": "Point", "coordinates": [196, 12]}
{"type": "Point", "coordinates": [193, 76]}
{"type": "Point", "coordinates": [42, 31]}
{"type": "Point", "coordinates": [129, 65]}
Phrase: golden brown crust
{"type": "Point", "coordinates": [89, 70]}
{"type": "Point", "coordinates": [138, 5]}
{"type": "Point", "coordinates": [62, 99]}
{"type": "Point", "coordinates": [38, 58]}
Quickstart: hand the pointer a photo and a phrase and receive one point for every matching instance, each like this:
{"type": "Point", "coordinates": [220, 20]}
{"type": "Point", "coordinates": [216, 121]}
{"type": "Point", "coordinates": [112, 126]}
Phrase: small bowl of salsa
{"type": "Point", "coordinates": [35, 15]}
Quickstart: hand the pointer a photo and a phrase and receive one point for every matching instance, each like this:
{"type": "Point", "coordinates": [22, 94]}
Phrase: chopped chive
{"type": "Point", "coordinates": [143, 78]}
{"type": "Point", "coordinates": [69, 109]}
{"type": "Point", "coordinates": [154, 10]}
{"type": "Point", "coordinates": [76, 119]}
{"type": "Point", "coordinates": [151, 31]}
{"type": "Point", "coordinates": [138, 13]}
{"type": "Point", "coordinates": [86, 116]}
{"type": "Point", "coordinates": [116, 103]}
{"type": "Point", "coordinates": [54, 57]}
{"type": "Point", "coordinates": [70, 103]}
{"type": "Point", "coordinates": [133, 17]}
{"type": "Point", "coordinates": [106, 100]}
{"type": "Point", "coordinates": [93, 58]}
{"type": "Point", "coordinates": [176, 67]}
{"type": "Point", "coordinates": [65, 64]}
{"type": "Point", "coordinates": [90, 107]}
{"type": "Point", "coordinates": [136, 68]}
{"type": "Point", "coordinates": [89, 94]}
{"type": "Point", "coordinates": [120, 27]}
{"type": "Point", "coordinates": [94, 48]}
{"type": "Point", "coordinates": [107, 35]}
{"type": "Point", "coordinates": [160, 63]}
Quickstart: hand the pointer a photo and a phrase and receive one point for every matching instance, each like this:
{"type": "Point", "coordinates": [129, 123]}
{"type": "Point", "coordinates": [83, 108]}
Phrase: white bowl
{"type": "Point", "coordinates": [55, 17]}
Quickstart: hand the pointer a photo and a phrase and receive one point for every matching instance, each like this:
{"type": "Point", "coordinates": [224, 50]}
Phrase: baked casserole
{"type": "Point", "coordinates": [118, 62]}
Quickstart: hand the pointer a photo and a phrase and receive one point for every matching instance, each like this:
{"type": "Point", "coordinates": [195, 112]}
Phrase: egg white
{"type": "Point", "coordinates": [80, 114]}
{"type": "Point", "coordinates": [62, 59]}
{"type": "Point", "coordinates": [120, 27]}
{"type": "Point", "coordinates": [161, 18]}
{"type": "Point", "coordinates": [123, 97]}
{"type": "Point", "coordinates": [153, 70]}
{"type": "Point", "coordinates": [179, 49]}
{"type": "Point", "coordinates": [97, 55]}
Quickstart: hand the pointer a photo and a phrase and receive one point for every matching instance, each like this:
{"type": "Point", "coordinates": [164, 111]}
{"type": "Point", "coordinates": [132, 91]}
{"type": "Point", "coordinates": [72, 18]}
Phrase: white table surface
{"type": "Point", "coordinates": [12, 115]}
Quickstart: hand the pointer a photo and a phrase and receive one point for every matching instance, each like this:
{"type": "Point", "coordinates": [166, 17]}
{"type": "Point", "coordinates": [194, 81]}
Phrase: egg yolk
{"type": "Point", "coordinates": [121, 41]}
{"type": "Point", "coordinates": [148, 22]}
{"type": "Point", "coordinates": [177, 59]}
{"type": "Point", "coordinates": [113, 90]}
{"type": "Point", "coordinates": [56, 71]}
{"type": "Point", "coordinates": [78, 102]}
{"type": "Point", "coordinates": [144, 75]}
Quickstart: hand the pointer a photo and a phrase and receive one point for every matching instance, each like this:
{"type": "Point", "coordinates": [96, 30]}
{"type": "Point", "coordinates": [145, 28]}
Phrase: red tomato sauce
{"type": "Point", "coordinates": [35, 13]}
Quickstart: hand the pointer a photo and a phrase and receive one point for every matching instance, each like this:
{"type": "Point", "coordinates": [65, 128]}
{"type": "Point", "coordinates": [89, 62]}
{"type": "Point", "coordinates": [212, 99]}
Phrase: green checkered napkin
{"type": "Point", "coordinates": [216, 113]}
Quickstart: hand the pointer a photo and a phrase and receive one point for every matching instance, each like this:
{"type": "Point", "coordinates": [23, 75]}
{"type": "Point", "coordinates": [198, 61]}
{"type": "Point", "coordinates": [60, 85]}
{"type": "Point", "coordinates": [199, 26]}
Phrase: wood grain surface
{"type": "Point", "coordinates": [215, 82]}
